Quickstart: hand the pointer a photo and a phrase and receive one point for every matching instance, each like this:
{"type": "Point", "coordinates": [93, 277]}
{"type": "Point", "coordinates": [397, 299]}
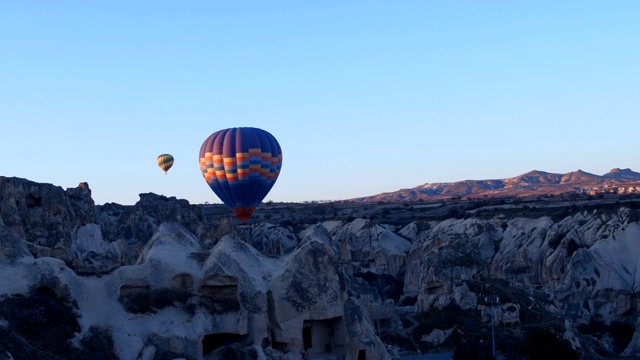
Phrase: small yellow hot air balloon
{"type": "Point", "coordinates": [165, 161]}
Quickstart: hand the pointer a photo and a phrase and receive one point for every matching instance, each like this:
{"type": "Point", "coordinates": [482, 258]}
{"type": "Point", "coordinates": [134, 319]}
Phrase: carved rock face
{"type": "Point", "coordinates": [12, 247]}
{"type": "Point", "coordinates": [43, 214]}
{"type": "Point", "coordinates": [165, 262]}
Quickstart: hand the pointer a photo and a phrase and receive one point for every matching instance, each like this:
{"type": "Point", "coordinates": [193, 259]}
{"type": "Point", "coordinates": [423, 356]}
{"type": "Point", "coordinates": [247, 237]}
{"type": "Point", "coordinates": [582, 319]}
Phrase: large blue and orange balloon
{"type": "Point", "coordinates": [241, 165]}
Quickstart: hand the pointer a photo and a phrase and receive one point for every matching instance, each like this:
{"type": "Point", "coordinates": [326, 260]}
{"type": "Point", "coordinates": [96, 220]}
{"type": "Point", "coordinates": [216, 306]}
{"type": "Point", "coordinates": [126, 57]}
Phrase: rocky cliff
{"type": "Point", "coordinates": [531, 184]}
{"type": "Point", "coordinates": [165, 279]}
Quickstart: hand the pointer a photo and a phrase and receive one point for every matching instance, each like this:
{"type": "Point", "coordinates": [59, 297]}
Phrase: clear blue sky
{"type": "Point", "coordinates": [364, 96]}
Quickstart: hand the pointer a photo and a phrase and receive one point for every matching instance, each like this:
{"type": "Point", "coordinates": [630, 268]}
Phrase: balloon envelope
{"type": "Point", "coordinates": [165, 161]}
{"type": "Point", "coordinates": [241, 165]}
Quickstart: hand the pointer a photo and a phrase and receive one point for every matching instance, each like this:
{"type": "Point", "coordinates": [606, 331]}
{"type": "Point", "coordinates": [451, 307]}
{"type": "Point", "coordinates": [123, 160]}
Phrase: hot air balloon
{"type": "Point", "coordinates": [165, 161]}
{"type": "Point", "coordinates": [241, 165]}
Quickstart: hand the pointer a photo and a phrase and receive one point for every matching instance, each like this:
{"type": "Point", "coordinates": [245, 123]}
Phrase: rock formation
{"type": "Point", "coordinates": [166, 279]}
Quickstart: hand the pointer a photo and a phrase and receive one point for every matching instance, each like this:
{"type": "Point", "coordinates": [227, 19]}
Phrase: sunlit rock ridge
{"type": "Point", "coordinates": [531, 184]}
{"type": "Point", "coordinates": [165, 279]}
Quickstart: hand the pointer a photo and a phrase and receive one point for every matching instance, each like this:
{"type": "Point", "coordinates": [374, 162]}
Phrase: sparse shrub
{"type": "Point", "coordinates": [620, 333]}
{"type": "Point", "coordinates": [97, 344]}
{"type": "Point", "coordinates": [148, 302]}
{"type": "Point", "coordinates": [402, 343]}
{"type": "Point", "coordinates": [466, 322]}
{"type": "Point", "coordinates": [40, 325]}
{"type": "Point", "coordinates": [288, 223]}
{"type": "Point", "coordinates": [385, 285]}
{"type": "Point", "coordinates": [544, 345]}
{"type": "Point", "coordinates": [236, 352]}
{"type": "Point", "coordinates": [454, 213]}
{"type": "Point", "coordinates": [218, 306]}
{"type": "Point", "coordinates": [473, 350]}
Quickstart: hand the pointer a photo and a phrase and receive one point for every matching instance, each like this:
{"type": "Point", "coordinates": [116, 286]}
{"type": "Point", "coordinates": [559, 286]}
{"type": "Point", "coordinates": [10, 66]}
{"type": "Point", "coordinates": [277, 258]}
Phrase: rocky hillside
{"type": "Point", "coordinates": [164, 279]}
{"type": "Point", "coordinates": [532, 184]}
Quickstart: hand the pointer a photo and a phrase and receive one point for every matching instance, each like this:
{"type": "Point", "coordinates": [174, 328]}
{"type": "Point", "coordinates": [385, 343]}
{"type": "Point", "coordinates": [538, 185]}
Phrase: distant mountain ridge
{"type": "Point", "coordinates": [530, 184]}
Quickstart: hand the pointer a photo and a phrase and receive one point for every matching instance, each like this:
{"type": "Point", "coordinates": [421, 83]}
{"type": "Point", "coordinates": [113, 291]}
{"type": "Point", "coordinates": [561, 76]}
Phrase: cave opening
{"type": "Point", "coordinates": [134, 289]}
{"type": "Point", "coordinates": [306, 337]}
{"type": "Point", "coordinates": [182, 281]}
{"type": "Point", "coordinates": [47, 291]}
{"type": "Point", "coordinates": [362, 355]}
{"type": "Point", "coordinates": [212, 342]}
{"type": "Point", "coordinates": [324, 336]}
{"type": "Point", "coordinates": [33, 201]}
